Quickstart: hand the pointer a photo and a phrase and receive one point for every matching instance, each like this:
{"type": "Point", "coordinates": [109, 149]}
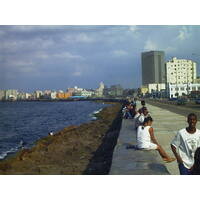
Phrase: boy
{"type": "Point", "coordinates": [185, 143]}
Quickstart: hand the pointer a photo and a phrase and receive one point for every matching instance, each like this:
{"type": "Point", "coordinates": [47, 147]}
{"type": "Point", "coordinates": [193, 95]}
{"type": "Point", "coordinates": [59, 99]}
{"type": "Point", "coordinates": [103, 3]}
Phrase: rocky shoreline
{"type": "Point", "coordinates": [84, 149]}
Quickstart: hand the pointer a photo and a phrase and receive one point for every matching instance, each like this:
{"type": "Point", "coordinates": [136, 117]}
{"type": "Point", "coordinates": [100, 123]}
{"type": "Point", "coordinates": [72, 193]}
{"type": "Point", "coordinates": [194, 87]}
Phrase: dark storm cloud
{"type": "Point", "coordinates": [55, 57]}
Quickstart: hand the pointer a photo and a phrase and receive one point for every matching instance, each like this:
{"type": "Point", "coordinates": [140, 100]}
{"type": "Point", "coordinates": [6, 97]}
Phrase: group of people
{"type": "Point", "coordinates": [185, 145]}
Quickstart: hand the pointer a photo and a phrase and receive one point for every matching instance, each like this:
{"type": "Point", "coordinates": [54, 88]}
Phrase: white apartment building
{"type": "Point", "coordinates": [152, 87]}
{"type": "Point", "coordinates": [27, 96]}
{"type": "Point", "coordinates": [178, 90]}
{"type": "Point", "coordinates": [99, 91]}
{"type": "Point", "coordinates": [21, 96]}
{"type": "Point", "coordinates": [11, 94]}
{"type": "Point", "coordinates": [180, 71]}
{"type": "Point", "coordinates": [53, 95]}
{"type": "Point", "coordinates": [2, 94]}
{"type": "Point", "coordinates": [87, 93]}
{"type": "Point", "coordinates": [38, 94]}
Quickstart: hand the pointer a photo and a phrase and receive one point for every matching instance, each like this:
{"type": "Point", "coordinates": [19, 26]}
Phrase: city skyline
{"type": "Point", "coordinates": [57, 57]}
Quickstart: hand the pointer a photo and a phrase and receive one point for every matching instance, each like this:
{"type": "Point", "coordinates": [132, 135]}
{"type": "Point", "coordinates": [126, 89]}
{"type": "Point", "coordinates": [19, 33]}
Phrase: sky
{"type": "Point", "coordinates": [58, 57]}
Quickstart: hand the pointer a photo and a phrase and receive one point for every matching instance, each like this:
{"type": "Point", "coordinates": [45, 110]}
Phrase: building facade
{"type": "Point", "coordinates": [100, 91]}
{"type": "Point", "coordinates": [179, 90]}
{"type": "Point", "coordinates": [153, 87]}
{"type": "Point", "coordinates": [116, 91]}
{"type": "Point", "coordinates": [181, 71]}
{"type": "Point", "coordinates": [2, 95]}
{"type": "Point", "coordinates": [153, 67]}
{"type": "Point", "coordinates": [87, 93]}
{"type": "Point", "coordinates": [63, 95]}
{"type": "Point", "coordinates": [38, 94]}
{"type": "Point", "coordinates": [11, 95]}
{"type": "Point", "coordinates": [144, 90]}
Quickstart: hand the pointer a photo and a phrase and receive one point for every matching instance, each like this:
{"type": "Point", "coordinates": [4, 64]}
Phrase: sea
{"type": "Point", "coordinates": [23, 123]}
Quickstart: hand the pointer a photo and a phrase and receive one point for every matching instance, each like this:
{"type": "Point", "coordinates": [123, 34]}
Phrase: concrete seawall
{"type": "Point", "coordinates": [131, 161]}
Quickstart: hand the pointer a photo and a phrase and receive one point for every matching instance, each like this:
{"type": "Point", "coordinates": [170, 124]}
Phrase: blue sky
{"type": "Point", "coordinates": [58, 57]}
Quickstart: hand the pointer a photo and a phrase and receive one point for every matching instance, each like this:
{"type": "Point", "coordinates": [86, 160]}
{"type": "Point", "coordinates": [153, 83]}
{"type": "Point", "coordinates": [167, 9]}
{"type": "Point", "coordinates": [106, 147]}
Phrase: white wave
{"type": "Point", "coordinates": [12, 150]}
{"type": "Point", "coordinates": [94, 118]}
{"type": "Point", "coordinates": [97, 111]}
{"type": "Point", "coordinates": [3, 155]}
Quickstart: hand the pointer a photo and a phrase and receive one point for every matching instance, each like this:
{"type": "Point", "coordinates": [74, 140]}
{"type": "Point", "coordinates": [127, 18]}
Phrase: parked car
{"type": "Point", "coordinates": [197, 101]}
{"type": "Point", "coordinates": [172, 99]}
{"type": "Point", "coordinates": [181, 101]}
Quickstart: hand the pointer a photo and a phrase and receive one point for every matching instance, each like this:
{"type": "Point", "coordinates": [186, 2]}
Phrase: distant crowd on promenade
{"type": "Point", "coordinates": [185, 145]}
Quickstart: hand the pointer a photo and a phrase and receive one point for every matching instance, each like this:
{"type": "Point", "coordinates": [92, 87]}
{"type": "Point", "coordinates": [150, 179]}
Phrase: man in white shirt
{"type": "Point", "coordinates": [185, 143]}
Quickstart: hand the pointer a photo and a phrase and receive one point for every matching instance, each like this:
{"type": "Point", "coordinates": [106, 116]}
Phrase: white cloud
{"type": "Point", "coordinates": [30, 28]}
{"type": "Point", "coordinates": [68, 55]}
{"type": "Point", "coordinates": [27, 70]}
{"type": "Point", "coordinates": [62, 55]}
{"type": "Point", "coordinates": [133, 28]}
{"type": "Point", "coordinates": [183, 33]}
{"type": "Point", "coordinates": [170, 49]}
{"type": "Point", "coordinates": [2, 33]}
{"type": "Point", "coordinates": [150, 45]}
{"type": "Point", "coordinates": [20, 63]}
{"type": "Point", "coordinates": [119, 53]}
{"type": "Point", "coordinates": [41, 54]}
{"type": "Point", "coordinates": [22, 66]}
{"type": "Point", "coordinates": [81, 37]}
{"type": "Point", "coordinates": [76, 74]}
{"type": "Point", "coordinates": [18, 45]}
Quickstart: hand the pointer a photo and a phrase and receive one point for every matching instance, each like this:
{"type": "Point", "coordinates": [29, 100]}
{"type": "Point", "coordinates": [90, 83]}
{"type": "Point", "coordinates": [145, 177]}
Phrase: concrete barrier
{"type": "Point", "coordinates": [128, 160]}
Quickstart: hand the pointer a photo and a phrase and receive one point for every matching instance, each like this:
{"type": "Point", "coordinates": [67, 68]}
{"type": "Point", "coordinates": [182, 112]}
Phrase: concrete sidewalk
{"type": "Point", "coordinates": [131, 161]}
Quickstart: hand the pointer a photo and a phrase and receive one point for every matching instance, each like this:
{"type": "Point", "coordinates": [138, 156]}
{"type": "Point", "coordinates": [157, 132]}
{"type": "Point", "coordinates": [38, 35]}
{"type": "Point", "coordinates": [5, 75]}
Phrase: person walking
{"type": "Point", "coordinates": [147, 141]}
{"type": "Point", "coordinates": [185, 143]}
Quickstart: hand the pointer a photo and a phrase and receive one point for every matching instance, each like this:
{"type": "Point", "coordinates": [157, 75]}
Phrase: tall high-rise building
{"type": "Point", "coordinates": [153, 67]}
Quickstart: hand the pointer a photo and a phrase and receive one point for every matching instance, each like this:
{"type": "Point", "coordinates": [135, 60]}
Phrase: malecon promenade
{"type": "Point", "coordinates": [128, 160]}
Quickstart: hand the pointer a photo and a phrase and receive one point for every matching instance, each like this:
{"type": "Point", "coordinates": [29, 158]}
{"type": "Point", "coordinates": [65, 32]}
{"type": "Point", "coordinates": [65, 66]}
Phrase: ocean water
{"type": "Point", "coordinates": [23, 123]}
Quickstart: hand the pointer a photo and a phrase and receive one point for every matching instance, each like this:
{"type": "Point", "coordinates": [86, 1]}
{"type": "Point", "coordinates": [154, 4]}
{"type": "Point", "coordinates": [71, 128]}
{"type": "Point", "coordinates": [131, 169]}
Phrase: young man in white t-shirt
{"type": "Point", "coordinates": [185, 143]}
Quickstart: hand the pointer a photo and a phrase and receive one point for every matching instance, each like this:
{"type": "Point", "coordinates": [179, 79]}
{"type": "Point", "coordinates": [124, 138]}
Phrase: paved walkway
{"type": "Point", "coordinates": [131, 161]}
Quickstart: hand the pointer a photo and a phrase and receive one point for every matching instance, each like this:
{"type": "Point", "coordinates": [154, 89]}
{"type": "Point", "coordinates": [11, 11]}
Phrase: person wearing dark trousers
{"type": "Point", "coordinates": [196, 167]}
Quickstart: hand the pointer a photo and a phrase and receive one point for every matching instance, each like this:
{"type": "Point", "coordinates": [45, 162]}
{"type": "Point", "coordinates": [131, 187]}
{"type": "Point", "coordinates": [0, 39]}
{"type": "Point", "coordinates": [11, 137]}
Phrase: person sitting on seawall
{"type": "Point", "coordinates": [196, 167]}
{"type": "Point", "coordinates": [126, 112]}
{"type": "Point", "coordinates": [140, 119]}
{"type": "Point", "coordinates": [132, 111]}
{"type": "Point", "coordinates": [143, 105]}
{"type": "Point", "coordinates": [135, 118]}
{"type": "Point", "coordinates": [185, 143]}
{"type": "Point", "coordinates": [147, 141]}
